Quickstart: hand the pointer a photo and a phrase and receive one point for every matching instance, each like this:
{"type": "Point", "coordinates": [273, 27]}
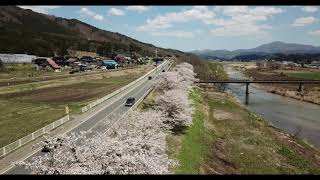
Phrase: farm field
{"type": "Point", "coordinates": [21, 74]}
{"type": "Point", "coordinates": [28, 107]}
{"type": "Point", "coordinates": [305, 75]}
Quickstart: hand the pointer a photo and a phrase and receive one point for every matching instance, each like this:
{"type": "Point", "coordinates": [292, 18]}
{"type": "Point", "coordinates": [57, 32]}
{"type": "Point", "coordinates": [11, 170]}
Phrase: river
{"type": "Point", "coordinates": [285, 113]}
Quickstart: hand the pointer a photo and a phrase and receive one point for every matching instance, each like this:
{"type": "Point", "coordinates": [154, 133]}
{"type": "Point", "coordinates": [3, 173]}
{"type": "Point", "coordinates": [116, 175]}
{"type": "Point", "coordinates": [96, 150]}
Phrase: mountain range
{"type": "Point", "coordinates": [276, 47]}
{"type": "Point", "coordinates": [25, 31]}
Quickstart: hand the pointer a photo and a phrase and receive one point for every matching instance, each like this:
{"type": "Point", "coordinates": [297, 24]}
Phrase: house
{"type": "Point", "coordinates": [315, 63]}
{"type": "Point", "coordinates": [61, 61]}
{"type": "Point", "coordinates": [86, 60]}
{"type": "Point", "coordinates": [120, 59]}
{"type": "Point", "coordinates": [274, 64]}
{"type": "Point", "coordinates": [40, 62]}
{"type": "Point", "coordinates": [53, 65]}
{"type": "Point", "coordinates": [109, 64]}
{"type": "Point", "coordinates": [43, 62]}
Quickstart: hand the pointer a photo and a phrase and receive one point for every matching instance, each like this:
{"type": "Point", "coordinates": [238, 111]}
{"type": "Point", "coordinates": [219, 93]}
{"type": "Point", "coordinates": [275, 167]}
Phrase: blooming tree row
{"type": "Point", "coordinates": [134, 145]}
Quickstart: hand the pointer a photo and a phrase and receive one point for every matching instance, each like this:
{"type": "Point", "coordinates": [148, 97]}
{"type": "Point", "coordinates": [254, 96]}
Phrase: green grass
{"type": "Point", "coordinates": [192, 148]}
{"type": "Point", "coordinates": [18, 119]}
{"type": "Point", "coordinates": [24, 71]}
{"type": "Point", "coordinates": [305, 75]}
{"type": "Point", "coordinates": [250, 145]}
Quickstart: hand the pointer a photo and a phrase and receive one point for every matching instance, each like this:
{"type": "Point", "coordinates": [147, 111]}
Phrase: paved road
{"type": "Point", "coordinates": [104, 116]}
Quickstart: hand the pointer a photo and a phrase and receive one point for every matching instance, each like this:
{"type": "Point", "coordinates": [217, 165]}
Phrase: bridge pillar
{"type": "Point", "coordinates": [247, 93]}
{"type": "Point", "coordinates": [247, 88]}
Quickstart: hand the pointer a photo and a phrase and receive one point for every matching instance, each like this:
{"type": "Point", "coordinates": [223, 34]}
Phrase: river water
{"type": "Point", "coordinates": [288, 114]}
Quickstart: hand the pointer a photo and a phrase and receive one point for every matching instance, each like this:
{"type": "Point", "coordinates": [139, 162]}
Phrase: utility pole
{"type": "Point", "coordinates": [156, 53]}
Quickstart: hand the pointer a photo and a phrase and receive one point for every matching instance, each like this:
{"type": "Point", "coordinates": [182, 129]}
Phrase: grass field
{"type": "Point", "coordinates": [25, 110]}
{"type": "Point", "coordinates": [25, 70]}
{"type": "Point", "coordinates": [305, 75]}
{"type": "Point", "coordinates": [192, 146]}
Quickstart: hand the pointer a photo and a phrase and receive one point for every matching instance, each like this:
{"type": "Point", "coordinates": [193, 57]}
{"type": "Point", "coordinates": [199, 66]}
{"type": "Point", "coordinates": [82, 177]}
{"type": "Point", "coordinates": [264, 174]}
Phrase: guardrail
{"type": "Point", "coordinates": [147, 93]}
{"type": "Point", "coordinates": [126, 88]}
{"type": "Point", "coordinates": [20, 142]}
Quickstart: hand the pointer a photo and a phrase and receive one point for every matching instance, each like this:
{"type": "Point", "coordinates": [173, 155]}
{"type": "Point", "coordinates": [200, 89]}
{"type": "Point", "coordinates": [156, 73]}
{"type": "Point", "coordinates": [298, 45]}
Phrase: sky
{"type": "Point", "coordinates": [189, 28]}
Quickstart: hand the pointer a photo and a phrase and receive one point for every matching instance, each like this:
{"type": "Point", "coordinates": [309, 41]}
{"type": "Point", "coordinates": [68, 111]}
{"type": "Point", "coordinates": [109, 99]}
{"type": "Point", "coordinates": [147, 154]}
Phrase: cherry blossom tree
{"type": "Point", "coordinates": [135, 144]}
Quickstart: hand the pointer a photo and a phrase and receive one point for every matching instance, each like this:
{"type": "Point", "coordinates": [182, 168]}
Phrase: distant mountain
{"type": "Point", "coordinates": [25, 31]}
{"type": "Point", "coordinates": [263, 50]}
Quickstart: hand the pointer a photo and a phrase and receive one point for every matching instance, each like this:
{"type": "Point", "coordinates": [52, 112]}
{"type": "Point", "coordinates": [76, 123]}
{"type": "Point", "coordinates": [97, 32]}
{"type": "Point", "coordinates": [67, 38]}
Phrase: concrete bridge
{"type": "Point", "coordinates": [247, 82]}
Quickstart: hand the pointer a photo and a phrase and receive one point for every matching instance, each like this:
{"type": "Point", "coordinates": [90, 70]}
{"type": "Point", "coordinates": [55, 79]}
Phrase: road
{"type": "Point", "coordinates": [105, 116]}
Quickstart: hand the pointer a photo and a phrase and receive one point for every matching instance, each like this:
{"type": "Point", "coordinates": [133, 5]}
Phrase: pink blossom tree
{"type": "Point", "coordinates": [135, 144]}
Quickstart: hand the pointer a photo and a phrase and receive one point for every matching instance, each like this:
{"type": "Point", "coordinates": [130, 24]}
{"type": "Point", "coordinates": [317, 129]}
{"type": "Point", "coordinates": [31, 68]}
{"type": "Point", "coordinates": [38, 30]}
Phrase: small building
{"type": "Point", "coordinates": [120, 59]}
{"type": "Point", "coordinates": [16, 58]}
{"type": "Point", "coordinates": [43, 62]}
{"type": "Point", "coordinates": [109, 64]}
{"type": "Point", "coordinates": [54, 65]}
{"type": "Point", "coordinates": [315, 63]}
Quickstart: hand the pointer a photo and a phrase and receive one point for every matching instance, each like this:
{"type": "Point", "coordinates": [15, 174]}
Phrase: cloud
{"type": "Point", "coordinates": [116, 12]}
{"type": "Point", "coordinates": [139, 9]}
{"type": "Point", "coordinates": [309, 9]}
{"type": "Point", "coordinates": [178, 34]}
{"type": "Point", "coordinates": [98, 17]}
{"type": "Point", "coordinates": [315, 33]}
{"type": "Point", "coordinates": [40, 9]}
{"type": "Point", "coordinates": [200, 13]}
{"type": "Point", "coordinates": [237, 20]}
{"type": "Point", "coordinates": [243, 20]}
{"type": "Point", "coordinates": [239, 30]}
{"type": "Point", "coordinates": [303, 21]}
{"type": "Point", "coordinates": [87, 12]}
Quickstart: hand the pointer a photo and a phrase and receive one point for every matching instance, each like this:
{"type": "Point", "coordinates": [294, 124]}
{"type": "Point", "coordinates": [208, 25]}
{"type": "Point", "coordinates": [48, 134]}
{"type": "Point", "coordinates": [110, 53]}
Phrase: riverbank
{"type": "Point", "coordinates": [226, 138]}
{"type": "Point", "coordinates": [310, 94]}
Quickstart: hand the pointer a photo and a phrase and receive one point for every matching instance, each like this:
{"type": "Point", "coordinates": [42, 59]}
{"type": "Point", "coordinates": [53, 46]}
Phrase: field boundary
{"type": "Point", "coordinates": [28, 138]}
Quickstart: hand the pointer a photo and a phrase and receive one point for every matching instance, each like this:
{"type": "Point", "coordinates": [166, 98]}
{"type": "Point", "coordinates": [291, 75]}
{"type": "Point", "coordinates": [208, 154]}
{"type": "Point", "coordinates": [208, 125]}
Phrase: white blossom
{"type": "Point", "coordinates": [135, 144]}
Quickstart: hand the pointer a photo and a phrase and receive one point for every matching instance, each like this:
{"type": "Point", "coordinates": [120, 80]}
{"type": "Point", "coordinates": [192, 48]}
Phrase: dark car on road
{"type": "Point", "coordinates": [130, 101]}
